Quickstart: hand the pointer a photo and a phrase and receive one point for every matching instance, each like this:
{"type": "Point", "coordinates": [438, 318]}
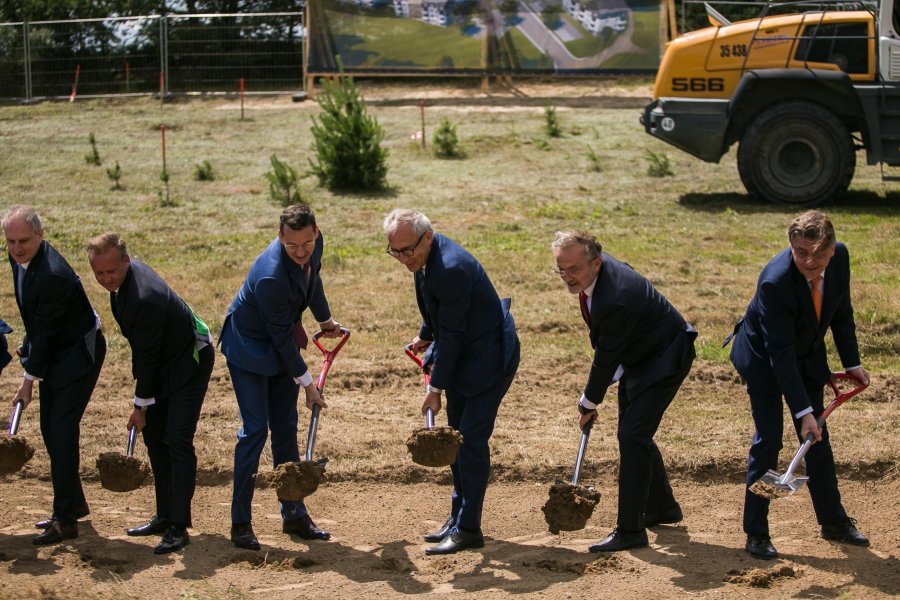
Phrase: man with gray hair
{"type": "Point", "coordinates": [63, 350]}
{"type": "Point", "coordinates": [471, 352]}
{"type": "Point", "coordinates": [640, 340]}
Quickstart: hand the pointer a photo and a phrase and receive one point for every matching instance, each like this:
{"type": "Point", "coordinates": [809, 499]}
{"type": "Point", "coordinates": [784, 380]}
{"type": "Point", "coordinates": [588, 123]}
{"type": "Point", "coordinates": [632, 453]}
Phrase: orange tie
{"type": "Point", "coordinates": [816, 296]}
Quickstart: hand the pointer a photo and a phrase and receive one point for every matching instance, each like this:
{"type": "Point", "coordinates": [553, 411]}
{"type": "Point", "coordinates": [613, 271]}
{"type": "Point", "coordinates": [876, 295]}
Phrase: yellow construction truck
{"type": "Point", "coordinates": [799, 92]}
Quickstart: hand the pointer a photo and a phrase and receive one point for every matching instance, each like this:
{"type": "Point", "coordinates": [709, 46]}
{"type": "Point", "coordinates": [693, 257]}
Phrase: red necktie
{"type": "Point", "coordinates": [585, 313]}
{"type": "Point", "coordinates": [816, 296]}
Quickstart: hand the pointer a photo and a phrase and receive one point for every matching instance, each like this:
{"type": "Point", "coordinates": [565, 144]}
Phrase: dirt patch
{"type": "Point", "coordinates": [569, 506]}
{"type": "Point", "coordinates": [434, 447]}
{"type": "Point", "coordinates": [295, 481]}
{"type": "Point", "coordinates": [120, 473]}
{"type": "Point", "coordinates": [14, 453]}
{"type": "Point", "coordinates": [760, 578]}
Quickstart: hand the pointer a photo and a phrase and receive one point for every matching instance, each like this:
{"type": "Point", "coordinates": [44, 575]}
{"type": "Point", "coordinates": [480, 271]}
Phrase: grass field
{"type": "Point", "coordinates": [695, 235]}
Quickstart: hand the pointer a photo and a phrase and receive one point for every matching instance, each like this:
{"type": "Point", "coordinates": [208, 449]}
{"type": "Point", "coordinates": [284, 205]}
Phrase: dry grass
{"type": "Point", "coordinates": [695, 235]}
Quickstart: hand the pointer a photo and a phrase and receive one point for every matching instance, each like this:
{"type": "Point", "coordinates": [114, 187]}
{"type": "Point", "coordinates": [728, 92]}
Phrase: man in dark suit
{"type": "Point", "coordinates": [471, 351]}
{"type": "Point", "coordinates": [260, 340]}
{"type": "Point", "coordinates": [640, 340]}
{"type": "Point", "coordinates": [779, 350]}
{"type": "Point", "coordinates": [171, 361]}
{"type": "Point", "coordinates": [63, 349]}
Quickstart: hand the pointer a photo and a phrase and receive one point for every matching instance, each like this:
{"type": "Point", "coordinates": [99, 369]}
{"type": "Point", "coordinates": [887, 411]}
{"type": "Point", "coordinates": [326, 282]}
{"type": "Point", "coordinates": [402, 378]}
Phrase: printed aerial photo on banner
{"type": "Point", "coordinates": [494, 36]}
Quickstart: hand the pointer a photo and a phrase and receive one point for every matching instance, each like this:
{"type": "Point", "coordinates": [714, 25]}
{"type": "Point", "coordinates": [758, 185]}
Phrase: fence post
{"type": "Point", "coordinates": [164, 54]}
{"type": "Point", "coordinates": [27, 44]}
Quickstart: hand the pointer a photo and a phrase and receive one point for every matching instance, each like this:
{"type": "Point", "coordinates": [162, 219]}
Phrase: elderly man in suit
{"type": "Point", "coordinates": [260, 339]}
{"type": "Point", "coordinates": [472, 352]}
{"type": "Point", "coordinates": [779, 350]}
{"type": "Point", "coordinates": [640, 340]}
{"type": "Point", "coordinates": [171, 361]}
{"type": "Point", "coordinates": [64, 350]}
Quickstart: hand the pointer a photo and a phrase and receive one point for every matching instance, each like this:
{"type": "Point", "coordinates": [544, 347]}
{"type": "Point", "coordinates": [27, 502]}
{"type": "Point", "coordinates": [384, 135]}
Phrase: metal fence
{"type": "Point", "coordinates": [154, 54]}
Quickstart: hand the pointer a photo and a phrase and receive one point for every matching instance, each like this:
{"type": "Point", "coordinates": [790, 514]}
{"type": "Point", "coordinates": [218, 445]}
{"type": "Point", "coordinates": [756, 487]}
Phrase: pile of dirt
{"type": "Point", "coordinates": [120, 473]}
{"type": "Point", "coordinates": [294, 481]}
{"type": "Point", "coordinates": [760, 578]}
{"type": "Point", "coordinates": [14, 453]}
{"type": "Point", "coordinates": [435, 447]}
{"type": "Point", "coordinates": [569, 506]}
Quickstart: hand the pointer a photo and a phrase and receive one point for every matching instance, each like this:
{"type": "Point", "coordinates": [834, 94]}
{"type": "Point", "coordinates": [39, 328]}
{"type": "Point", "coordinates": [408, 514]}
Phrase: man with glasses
{"type": "Point", "coordinates": [779, 350]}
{"type": "Point", "coordinates": [641, 341]}
{"type": "Point", "coordinates": [471, 352]}
{"type": "Point", "coordinates": [261, 339]}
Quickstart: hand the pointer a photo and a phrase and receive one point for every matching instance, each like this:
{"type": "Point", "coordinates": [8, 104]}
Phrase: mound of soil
{"type": "Point", "coordinates": [295, 481]}
{"type": "Point", "coordinates": [120, 473]}
{"type": "Point", "coordinates": [759, 578]}
{"type": "Point", "coordinates": [14, 453]}
{"type": "Point", "coordinates": [434, 447]}
{"type": "Point", "coordinates": [569, 506]}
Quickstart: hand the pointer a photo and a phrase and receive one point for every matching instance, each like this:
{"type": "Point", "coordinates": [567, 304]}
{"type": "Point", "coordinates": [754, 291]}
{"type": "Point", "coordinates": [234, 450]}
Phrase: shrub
{"type": "Point", "coordinates": [595, 160]}
{"type": "Point", "coordinates": [115, 173]}
{"type": "Point", "coordinates": [347, 141]}
{"type": "Point", "coordinates": [204, 171]}
{"type": "Point", "coordinates": [283, 183]}
{"type": "Point", "coordinates": [92, 157]}
{"type": "Point", "coordinates": [445, 143]}
{"type": "Point", "coordinates": [658, 164]}
{"type": "Point", "coordinates": [552, 122]}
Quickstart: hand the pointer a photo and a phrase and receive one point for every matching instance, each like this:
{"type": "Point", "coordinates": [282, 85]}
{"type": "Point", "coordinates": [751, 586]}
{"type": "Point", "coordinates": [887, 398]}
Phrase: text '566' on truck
{"type": "Point", "coordinates": [799, 92]}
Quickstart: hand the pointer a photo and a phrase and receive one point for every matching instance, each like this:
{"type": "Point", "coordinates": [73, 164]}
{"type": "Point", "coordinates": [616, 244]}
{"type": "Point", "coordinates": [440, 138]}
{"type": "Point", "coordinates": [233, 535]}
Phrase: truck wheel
{"type": "Point", "coordinates": [796, 153]}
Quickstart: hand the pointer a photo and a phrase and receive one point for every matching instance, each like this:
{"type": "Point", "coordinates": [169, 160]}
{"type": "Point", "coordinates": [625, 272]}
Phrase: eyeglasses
{"type": "Point", "coordinates": [308, 246]}
{"type": "Point", "coordinates": [563, 272]}
{"type": "Point", "coordinates": [405, 251]}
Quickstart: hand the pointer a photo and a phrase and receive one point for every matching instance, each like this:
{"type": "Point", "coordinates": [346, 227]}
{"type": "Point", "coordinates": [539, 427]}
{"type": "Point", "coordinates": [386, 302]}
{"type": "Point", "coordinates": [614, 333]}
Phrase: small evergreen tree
{"type": "Point", "coordinates": [445, 143]}
{"type": "Point", "coordinates": [347, 141]}
{"type": "Point", "coordinates": [115, 173]}
{"type": "Point", "coordinates": [92, 157]}
{"type": "Point", "coordinates": [204, 171]}
{"type": "Point", "coordinates": [552, 122]}
{"type": "Point", "coordinates": [658, 164]}
{"type": "Point", "coordinates": [595, 160]}
{"type": "Point", "coordinates": [283, 183]}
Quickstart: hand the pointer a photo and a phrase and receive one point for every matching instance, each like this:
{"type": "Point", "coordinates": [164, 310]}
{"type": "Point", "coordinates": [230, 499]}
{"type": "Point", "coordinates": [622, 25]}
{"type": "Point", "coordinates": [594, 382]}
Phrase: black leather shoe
{"type": "Point", "coordinates": [176, 538]}
{"type": "Point", "coordinates": [155, 526]}
{"type": "Point", "coordinates": [666, 517]}
{"type": "Point", "coordinates": [621, 540]}
{"type": "Point", "coordinates": [456, 540]}
{"type": "Point", "coordinates": [242, 536]}
{"type": "Point", "coordinates": [305, 528]}
{"type": "Point", "coordinates": [761, 546]}
{"type": "Point", "coordinates": [56, 533]}
{"type": "Point", "coordinates": [441, 533]}
{"type": "Point", "coordinates": [845, 532]}
{"type": "Point", "coordinates": [81, 511]}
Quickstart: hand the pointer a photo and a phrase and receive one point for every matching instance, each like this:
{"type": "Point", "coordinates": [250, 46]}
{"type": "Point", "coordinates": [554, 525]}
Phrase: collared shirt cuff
{"type": "Point", "coordinates": [144, 401]}
{"type": "Point", "coordinates": [587, 403]}
{"type": "Point", "coordinates": [31, 377]}
{"type": "Point", "coordinates": [431, 388]}
{"type": "Point", "coordinates": [304, 380]}
{"type": "Point", "coordinates": [803, 413]}
{"type": "Point", "coordinates": [848, 369]}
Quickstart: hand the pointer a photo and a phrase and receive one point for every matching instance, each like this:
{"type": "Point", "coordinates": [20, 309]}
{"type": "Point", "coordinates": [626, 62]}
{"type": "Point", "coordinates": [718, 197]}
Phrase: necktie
{"type": "Point", "coordinates": [816, 296]}
{"type": "Point", "coordinates": [585, 313]}
{"type": "Point", "coordinates": [301, 340]}
{"type": "Point", "coordinates": [20, 278]}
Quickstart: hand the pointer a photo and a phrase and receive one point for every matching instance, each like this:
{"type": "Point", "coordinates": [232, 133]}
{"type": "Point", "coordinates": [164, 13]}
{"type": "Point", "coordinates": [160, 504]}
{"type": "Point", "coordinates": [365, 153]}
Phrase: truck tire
{"type": "Point", "coordinates": [796, 153]}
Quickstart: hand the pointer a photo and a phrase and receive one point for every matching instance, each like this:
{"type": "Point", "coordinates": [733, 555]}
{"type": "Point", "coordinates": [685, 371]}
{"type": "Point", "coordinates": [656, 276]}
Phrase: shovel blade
{"type": "Point", "coordinates": [774, 485]}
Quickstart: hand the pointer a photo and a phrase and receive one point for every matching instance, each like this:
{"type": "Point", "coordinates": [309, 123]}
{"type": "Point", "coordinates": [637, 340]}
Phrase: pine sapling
{"type": "Point", "coordinates": [92, 157]}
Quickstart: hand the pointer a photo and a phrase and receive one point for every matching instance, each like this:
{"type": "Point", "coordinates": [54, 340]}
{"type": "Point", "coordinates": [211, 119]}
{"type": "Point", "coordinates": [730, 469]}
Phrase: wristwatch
{"type": "Point", "coordinates": [584, 409]}
{"type": "Point", "coordinates": [141, 408]}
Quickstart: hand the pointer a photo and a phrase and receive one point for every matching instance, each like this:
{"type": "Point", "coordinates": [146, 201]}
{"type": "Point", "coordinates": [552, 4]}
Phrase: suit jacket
{"type": "Point", "coordinates": [474, 334]}
{"type": "Point", "coordinates": [60, 324]}
{"type": "Point", "coordinates": [258, 333]}
{"type": "Point", "coordinates": [632, 324]}
{"type": "Point", "coordinates": [779, 348]}
{"type": "Point", "coordinates": [5, 356]}
{"type": "Point", "coordinates": [160, 329]}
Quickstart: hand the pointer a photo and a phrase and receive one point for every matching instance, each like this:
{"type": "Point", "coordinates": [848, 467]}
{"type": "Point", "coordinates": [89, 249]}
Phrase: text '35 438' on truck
{"type": "Point", "coordinates": [799, 92]}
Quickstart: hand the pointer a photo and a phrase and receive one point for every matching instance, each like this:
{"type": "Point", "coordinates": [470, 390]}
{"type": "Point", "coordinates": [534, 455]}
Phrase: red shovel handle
{"type": "Point", "coordinates": [840, 398]}
{"type": "Point", "coordinates": [417, 360]}
{"type": "Point", "coordinates": [328, 354]}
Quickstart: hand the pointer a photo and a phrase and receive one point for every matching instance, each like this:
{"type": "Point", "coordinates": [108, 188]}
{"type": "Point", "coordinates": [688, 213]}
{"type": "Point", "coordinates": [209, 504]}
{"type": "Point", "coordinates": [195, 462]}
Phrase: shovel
{"type": "Point", "coordinates": [432, 446]}
{"type": "Point", "coordinates": [296, 480]}
{"type": "Point", "coordinates": [775, 485]}
{"type": "Point", "coordinates": [571, 505]}
{"type": "Point", "coordinates": [14, 451]}
{"type": "Point", "coordinates": [122, 473]}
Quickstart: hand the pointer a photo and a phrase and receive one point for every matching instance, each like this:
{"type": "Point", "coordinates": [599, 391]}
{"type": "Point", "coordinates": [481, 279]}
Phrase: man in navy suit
{"type": "Point", "coordinates": [471, 351]}
{"type": "Point", "coordinates": [63, 349]}
{"type": "Point", "coordinates": [260, 339]}
{"type": "Point", "coordinates": [171, 361]}
{"type": "Point", "coordinates": [640, 340]}
{"type": "Point", "coordinates": [779, 350]}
